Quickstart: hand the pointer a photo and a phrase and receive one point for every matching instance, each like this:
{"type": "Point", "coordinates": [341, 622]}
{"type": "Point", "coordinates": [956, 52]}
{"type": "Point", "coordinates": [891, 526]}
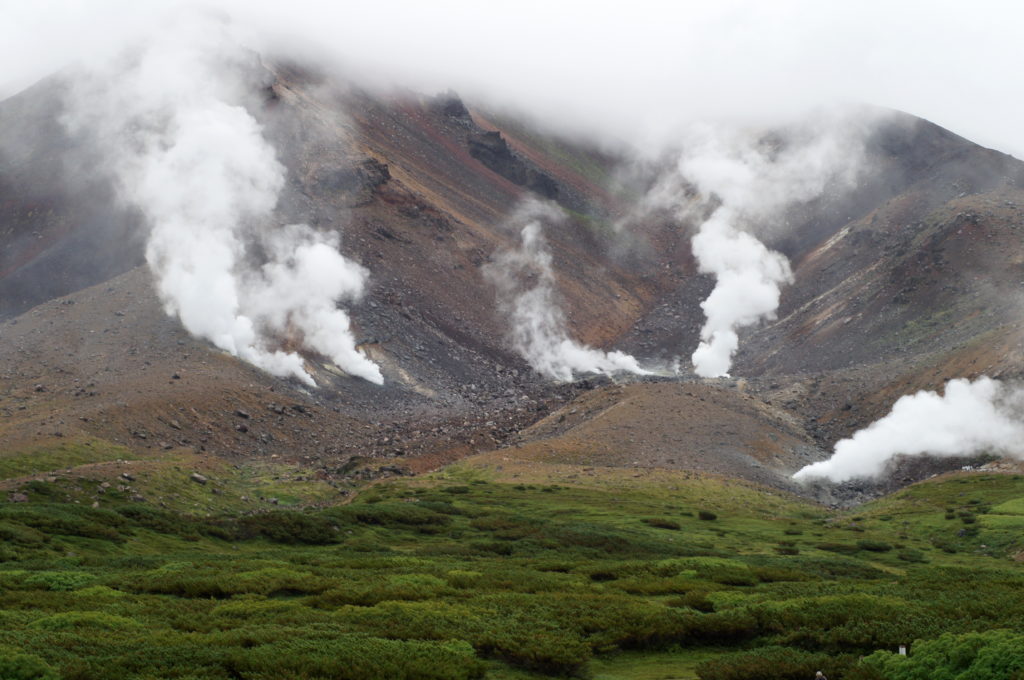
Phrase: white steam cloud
{"type": "Point", "coordinates": [526, 293]}
{"type": "Point", "coordinates": [747, 289]}
{"type": "Point", "coordinates": [754, 178]}
{"type": "Point", "coordinates": [186, 152]}
{"type": "Point", "coordinates": [970, 418]}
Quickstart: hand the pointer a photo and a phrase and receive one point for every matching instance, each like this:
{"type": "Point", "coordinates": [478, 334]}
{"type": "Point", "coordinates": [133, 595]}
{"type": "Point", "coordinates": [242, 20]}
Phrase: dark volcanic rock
{"type": "Point", "coordinates": [450, 106]}
{"type": "Point", "coordinates": [491, 149]}
{"type": "Point", "coordinates": [354, 184]}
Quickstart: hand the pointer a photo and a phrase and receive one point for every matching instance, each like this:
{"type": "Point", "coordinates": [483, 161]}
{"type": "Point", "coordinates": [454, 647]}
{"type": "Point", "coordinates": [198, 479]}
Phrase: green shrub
{"type": "Point", "coordinates": [247, 609]}
{"type": "Point", "coordinates": [456, 489]}
{"type": "Point", "coordinates": [100, 591]}
{"type": "Point", "coordinates": [381, 589]}
{"type": "Point", "coordinates": [733, 576]}
{"type": "Point", "coordinates": [725, 627]}
{"type": "Point", "coordinates": [68, 520]}
{"type": "Point", "coordinates": [774, 574]}
{"type": "Point", "coordinates": [695, 599]}
{"type": "Point", "coordinates": [289, 527]}
{"type": "Point", "coordinates": [844, 548]}
{"type": "Point", "coordinates": [662, 523]}
{"type": "Point", "coordinates": [17, 666]}
{"type": "Point", "coordinates": [187, 581]}
{"type": "Point", "coordinates": [991, 655]}
{"type": "Point", "coordinates": [507, 527]}
{"type": "Point", "coordinates": [911, 555]}
{"type": "Point", "coordinates": [769, 663]}
{"type": "Point", "coordinates": [19, 534]}
{"type": "Point", "coordinates": [874, 546]}
{"type": "Point", "coordinates": [158, 520]}
{"type": "Point", "coordinates": [396, 514]}
{"type": "Point", "coordinates": [840, 623]}
{"type": "Point", "coordinates": [59, 580]}
{"type": "Point", "coordinates": [359, 657]}
{"type": "Point", "coordinates": [76, 621]}
{"type": "Point", "coordinates": [443, 507]}
{"type": "Point", "coordinates": [593, 536]}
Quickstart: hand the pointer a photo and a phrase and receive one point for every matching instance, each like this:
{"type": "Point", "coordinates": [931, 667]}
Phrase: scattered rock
{"type": "Point", "coordinates": [198, 478]}
{"type": "Point", "coordinates": [394, 470]}
{"type": "Point", "coordinates": [18, 498]}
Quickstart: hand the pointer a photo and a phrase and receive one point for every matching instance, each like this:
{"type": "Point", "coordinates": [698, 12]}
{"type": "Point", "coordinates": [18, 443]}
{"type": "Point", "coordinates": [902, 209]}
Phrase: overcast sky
{"type": "Point", "coordinates": [634, 69]}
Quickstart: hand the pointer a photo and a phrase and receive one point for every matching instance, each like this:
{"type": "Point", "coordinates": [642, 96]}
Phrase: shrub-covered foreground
{"type": "Point", "coordinates": [432, 580]}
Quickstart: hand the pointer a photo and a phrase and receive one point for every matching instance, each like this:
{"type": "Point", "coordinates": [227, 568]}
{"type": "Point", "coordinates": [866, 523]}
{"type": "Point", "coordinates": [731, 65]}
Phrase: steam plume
{"type": "Point", "coordinates": [186, 152]}
{"type": "Point", "coordinates": [754, 179]}
{"type": "Point", "coordinates": [970, 418]}
{"type": "Point", "coordinates": [526, 293]}
{"type": "Point", "coordinates": [746, 290]}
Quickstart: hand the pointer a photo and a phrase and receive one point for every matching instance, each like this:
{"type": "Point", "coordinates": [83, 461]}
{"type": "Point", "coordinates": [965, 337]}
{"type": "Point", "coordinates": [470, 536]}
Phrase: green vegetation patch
{"type": "Point", "coordinates": [515, 580]}
{"type": "Point", "coordinates": [67, 454]}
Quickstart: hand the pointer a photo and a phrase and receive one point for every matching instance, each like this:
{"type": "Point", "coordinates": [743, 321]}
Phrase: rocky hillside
{"type": "Point", "coordinates": [909, 278]}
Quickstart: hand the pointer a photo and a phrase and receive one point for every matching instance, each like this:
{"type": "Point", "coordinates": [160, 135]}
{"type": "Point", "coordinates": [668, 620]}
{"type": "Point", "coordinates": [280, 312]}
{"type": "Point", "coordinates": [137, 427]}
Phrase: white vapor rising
{"type": "Point", "coordinates": [970, 418]}
{"type": "Point", "coordinates": [754, 179]}
{"type": "Point", "coordinates": [526, 292]}
{"type": "Point", "coordinates": [746, 290]}
{"type": "Point", "coordinates": [185, 152]}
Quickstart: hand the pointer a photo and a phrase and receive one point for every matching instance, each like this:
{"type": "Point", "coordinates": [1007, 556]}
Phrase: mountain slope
{"type": "Point", "coordinates": [908, 278]}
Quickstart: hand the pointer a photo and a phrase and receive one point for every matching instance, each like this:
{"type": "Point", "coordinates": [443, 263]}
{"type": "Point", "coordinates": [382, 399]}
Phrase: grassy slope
{"type": "Point", "coordinates": [541, 570]}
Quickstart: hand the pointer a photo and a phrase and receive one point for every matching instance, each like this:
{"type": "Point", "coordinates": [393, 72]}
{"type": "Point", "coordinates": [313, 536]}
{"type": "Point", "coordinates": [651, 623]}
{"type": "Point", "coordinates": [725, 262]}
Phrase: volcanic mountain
{"type": "Point", "coordinates": [908, 277]}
